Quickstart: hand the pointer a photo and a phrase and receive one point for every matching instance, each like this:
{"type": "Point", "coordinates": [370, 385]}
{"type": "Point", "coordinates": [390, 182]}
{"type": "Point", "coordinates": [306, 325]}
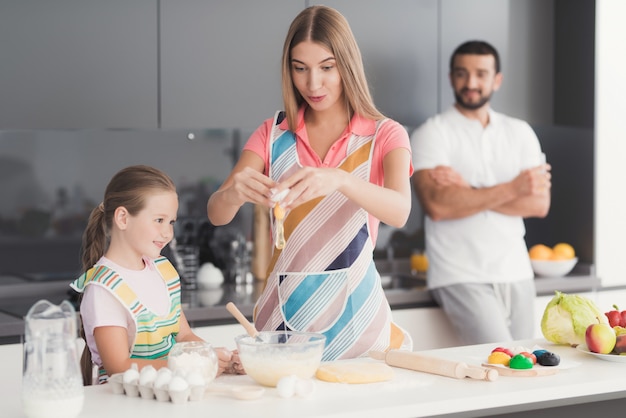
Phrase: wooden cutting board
{"type": "Point", "coordinates": [535, 371]}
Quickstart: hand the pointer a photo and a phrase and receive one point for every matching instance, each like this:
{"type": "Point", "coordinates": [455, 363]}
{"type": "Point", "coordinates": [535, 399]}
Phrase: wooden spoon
{"type": "Point", "coordinates": [250, 329]}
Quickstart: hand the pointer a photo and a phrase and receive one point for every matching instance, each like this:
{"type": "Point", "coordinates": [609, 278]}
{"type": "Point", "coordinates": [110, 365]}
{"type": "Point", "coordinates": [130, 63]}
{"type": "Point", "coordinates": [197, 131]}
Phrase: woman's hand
{"type": "Point", "coordinates": [246, 183]}
{"type": "Point", "coordinates": [309, 183]}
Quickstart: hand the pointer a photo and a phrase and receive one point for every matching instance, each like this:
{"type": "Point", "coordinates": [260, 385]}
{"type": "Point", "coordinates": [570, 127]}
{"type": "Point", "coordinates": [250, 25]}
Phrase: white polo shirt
{"type": "Point", "coordinates": [487, 247]}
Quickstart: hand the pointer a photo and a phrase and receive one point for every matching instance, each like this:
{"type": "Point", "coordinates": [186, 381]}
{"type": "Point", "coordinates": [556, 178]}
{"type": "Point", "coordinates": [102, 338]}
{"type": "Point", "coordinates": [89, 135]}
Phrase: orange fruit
{"type": "Point", "coordinates": [540, 252]}
{"type": "Point", "coordinates": [419, 262]}
{"type": "Point", "coordinates": [563, 251]}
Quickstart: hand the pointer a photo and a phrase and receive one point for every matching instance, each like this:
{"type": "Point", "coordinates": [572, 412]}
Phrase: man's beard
{"type": "Point", "coordinates": [471, 106]}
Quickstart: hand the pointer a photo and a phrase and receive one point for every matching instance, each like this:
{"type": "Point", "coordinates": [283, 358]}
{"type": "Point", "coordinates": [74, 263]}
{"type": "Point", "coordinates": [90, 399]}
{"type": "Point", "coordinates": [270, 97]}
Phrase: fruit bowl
{"type": "Point", "coordinates": [553, 268]}
{"type": "Point", "coordinates": [277, 354]}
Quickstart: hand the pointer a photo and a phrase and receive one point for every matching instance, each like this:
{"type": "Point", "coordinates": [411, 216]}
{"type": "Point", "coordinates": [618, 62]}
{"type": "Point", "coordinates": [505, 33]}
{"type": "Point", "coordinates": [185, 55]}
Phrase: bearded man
{"type": "Point", "coordinates": [478, 174]}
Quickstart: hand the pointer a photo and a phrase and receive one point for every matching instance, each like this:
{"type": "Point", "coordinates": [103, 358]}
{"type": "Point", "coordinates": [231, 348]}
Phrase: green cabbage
{"type": "Point", "coordinates": [567, 317]}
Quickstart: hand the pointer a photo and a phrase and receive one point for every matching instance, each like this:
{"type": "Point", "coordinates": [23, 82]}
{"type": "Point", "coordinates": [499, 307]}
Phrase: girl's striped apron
{"type": "Point", "coordinates": [325, 280]}
{"type": "Point", "coordinates": [155, 334]}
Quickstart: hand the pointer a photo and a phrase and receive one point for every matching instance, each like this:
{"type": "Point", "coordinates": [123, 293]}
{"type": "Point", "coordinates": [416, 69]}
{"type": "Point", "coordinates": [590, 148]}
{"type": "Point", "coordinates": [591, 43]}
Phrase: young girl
{"type": "Point", "coordinates": [344, 168]}
{"type": "Point", "coordinates": [130, 307]}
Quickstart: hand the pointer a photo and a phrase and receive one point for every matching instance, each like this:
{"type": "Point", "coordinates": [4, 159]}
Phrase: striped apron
{"type": "Point", "coordinates": [324, 279]}
{"type": "Point", "coordinates": [155, 334]}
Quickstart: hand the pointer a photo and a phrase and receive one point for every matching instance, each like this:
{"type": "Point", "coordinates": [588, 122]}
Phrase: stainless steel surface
{"type": "Point", "coordinates": [208, 306]}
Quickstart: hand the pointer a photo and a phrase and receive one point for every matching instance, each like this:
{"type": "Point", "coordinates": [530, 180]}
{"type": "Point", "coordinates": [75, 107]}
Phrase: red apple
{"type": "Point", "coordinates": [615, 317]}
{"type": "Point", "coordinates": [600, 338]}
{"type": "Point", "coordinates": [622, 321]}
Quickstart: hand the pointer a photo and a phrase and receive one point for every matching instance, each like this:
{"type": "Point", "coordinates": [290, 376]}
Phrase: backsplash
{"type": "Point", "coordinates": [51, 180]}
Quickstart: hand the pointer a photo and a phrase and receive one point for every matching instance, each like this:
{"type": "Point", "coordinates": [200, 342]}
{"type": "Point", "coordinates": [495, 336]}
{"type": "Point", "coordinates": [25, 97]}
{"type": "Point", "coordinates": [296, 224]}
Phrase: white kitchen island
{"type": "Point", "coordinates": [584, 385]}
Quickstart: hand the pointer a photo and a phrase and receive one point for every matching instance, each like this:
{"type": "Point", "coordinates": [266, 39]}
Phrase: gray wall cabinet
{"type": "Point", "coordinates": [171, 64]}
{"type": "Point", "coordinates": [78, 64]}
{"type": "Point", "coordinates": [220, 61]}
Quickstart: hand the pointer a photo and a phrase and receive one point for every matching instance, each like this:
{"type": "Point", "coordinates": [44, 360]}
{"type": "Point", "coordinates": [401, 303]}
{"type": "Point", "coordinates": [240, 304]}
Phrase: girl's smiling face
{"type": "Point", "coordinates": [148, 232]}
{"type": "Point", "coordinates": [315, 75]}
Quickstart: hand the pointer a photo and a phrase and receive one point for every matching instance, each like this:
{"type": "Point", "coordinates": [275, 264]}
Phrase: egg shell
{"type": "Point", "coordinates": [286, 386]}
{"type": "Point", "coordinates": [178, 383]}
{"type": "Point", "coordinates": [147, 375]}
{"type": "Point", "coordinates": [163, 378]}
{"type": "Point", "coordinates": [305, 387]}
{"type": "Point", "coordinates": [131, 375]}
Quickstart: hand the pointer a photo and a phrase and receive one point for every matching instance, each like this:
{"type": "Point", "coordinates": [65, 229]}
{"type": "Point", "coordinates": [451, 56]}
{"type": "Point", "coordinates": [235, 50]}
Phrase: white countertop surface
{"type": "Point", "coordinates": [581, 378]}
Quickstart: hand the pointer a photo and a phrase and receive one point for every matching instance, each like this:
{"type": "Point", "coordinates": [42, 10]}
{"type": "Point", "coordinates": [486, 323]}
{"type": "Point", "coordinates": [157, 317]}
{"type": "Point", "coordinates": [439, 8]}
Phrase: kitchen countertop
{"type": "Point", "coordinates": [207, 307]}
{"type": "Point", "coordinates": [583, 386]}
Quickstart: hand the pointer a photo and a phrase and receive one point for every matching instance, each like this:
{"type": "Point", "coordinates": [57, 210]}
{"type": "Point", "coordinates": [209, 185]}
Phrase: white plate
{"type": "Point", "coordinates": [616, 358]}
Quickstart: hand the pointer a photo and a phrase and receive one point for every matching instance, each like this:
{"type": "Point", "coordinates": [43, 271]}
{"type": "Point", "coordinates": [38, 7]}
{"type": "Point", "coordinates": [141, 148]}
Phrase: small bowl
{"type": "Point", "coordinates": [553, 268]}
{"type": "Point", "coordinates": [276, 354]}
{"type": "Point", "coordinates": [188, 356]}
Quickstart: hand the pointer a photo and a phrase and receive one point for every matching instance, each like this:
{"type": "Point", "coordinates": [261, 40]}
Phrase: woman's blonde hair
{"type": "Point", "coordinates": [128, 188]}
{"type": "Point", "coordinates": [329, 28]}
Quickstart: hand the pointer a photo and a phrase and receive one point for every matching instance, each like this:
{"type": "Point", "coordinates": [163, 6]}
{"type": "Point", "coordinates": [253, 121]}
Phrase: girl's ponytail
{"type": "Point", "coordinates": [94, 238]}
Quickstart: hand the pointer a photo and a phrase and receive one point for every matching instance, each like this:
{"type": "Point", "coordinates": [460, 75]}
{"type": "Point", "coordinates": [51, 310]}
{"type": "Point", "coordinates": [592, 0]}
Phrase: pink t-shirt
{"type": "Point", "coordinates": [391, 135]}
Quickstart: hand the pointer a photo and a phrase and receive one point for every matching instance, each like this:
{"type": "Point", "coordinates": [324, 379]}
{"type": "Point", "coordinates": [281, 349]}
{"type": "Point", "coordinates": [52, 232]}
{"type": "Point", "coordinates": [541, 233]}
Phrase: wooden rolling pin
{"type": "Point", "coordinates": [421, 363]}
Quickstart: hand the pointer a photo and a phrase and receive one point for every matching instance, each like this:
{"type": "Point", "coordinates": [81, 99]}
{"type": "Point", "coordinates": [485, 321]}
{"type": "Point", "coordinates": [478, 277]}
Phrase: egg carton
{"type": "Point", "coordinates": [177, 389]}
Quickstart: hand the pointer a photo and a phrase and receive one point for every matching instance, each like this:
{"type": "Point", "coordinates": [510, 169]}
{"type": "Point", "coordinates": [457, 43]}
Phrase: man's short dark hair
{"type": "Point", "coordinates": [476, 48]}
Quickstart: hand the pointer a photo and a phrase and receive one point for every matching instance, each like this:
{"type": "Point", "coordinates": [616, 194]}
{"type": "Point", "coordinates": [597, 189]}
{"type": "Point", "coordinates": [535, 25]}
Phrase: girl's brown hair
{"type": "Point", "coordinates": [329, 28]}
{"type": "Point", "coordinates": [127, 188]}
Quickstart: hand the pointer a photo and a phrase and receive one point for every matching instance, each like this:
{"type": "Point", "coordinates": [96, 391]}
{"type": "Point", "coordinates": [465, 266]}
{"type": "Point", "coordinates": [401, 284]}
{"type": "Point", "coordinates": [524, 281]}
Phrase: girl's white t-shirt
{"type": "Point", "coordinates": [99, 307]}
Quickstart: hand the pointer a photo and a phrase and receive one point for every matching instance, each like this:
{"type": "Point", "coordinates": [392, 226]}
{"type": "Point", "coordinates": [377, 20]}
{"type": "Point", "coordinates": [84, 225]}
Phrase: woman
{"type": "Point", "coordinates": [338, 168]}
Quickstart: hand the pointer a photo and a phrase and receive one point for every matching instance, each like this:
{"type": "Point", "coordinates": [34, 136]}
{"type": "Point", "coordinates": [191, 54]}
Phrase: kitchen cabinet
{"type": "Point", "coordinates": [397, 39]}
{"type": "Point", "coordinates": [429, 328]}
{"type": "Point", "coordinates": [72, 64]}
{"type": "Point", "coordinates": [221, 61]}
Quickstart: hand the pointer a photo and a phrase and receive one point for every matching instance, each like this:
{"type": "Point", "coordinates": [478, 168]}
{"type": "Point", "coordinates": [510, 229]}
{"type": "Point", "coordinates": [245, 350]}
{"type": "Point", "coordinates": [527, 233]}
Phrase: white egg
{"type": "Point", "coordinates": [178, 383]}
{"type": "Point", "coordinates": [131, 375]}
{"type": "Point", "coordinates": [286, 386]}
{"type": "Point", "coordinates": [147, 375]}
{"type": "Point", "coordinates": [305, 387]}
{"type": "Point", "coordinates": [163, 378]}
{"type": "Point", "coordinates": [278, 197]}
